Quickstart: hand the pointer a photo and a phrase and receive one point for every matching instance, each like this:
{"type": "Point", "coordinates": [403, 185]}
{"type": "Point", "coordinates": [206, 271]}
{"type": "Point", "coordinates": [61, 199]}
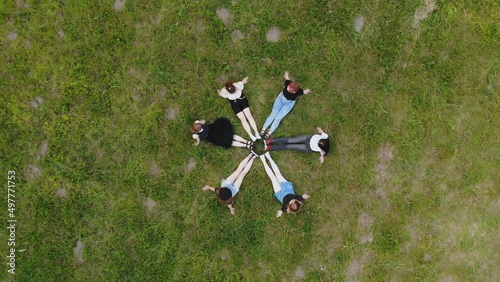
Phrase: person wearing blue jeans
{"type": "Point", "coordinates": [283, 104]}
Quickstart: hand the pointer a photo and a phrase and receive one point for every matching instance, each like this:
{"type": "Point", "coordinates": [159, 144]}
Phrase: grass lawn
{"type": "Point", "coordinates": [97, 99]}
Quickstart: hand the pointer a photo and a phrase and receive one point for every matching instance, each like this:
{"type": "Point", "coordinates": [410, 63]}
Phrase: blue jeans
{"type": "Point", "coordinates": [300, 143]}
{"type": "Point", "coordinates": [282, 106]}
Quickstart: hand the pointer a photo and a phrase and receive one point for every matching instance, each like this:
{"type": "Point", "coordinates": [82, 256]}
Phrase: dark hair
{"type": "Point", "coordinates": [224, 194]}
{"type": "Point", "coordinates": [230, 87]}
{"type": "Point", "coordinates": [196, 127]}
{"type": "Point", "coordinates": [294, 206]}
{"type": "Point", "coordinates": [324, 144]}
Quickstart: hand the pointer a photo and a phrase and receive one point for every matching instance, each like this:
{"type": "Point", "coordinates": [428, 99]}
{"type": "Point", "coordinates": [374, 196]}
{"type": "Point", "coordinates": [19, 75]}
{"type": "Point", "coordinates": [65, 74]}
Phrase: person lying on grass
{"type": "Point", "coordinates": [230, 186]}
{"type": "Point", "coordinates": [239, 103]}
{"type": "Point", "coordinates": [219, 133]}
{"type": "Point", "coordinates": [283, 104]}
{"type": "Point", "coordinates": [303, 143]}
{"type": "Point", "coordinates": [283, 190]}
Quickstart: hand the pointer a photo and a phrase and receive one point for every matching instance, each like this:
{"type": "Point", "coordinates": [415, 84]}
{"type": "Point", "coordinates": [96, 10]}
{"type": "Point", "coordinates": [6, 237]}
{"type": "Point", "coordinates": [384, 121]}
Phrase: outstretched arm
{"type": "Point", "coordinates": [279, 213]}
{"type": "Point", "coordinates": [206, 187]}
{"type": "Point", "coordinates": [307, 90]}
{"type": "Point", "coordinates": [231, 209]}
{"type": "Point", "coordinates": [320, 131]}
{"type": "Point", "coordinates": [197, 138]}
{"type": "Point", "coordinates": [306, 196]}
{"type": "Point", "coordinates": [287, 75]}
{"type": "Point", "coordinates": [245, 80]}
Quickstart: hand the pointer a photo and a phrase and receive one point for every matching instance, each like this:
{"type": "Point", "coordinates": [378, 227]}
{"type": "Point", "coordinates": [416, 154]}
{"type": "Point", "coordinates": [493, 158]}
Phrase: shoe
{"type": "Point", "coordinates": [257, 136]}
{"type": "Point", "coordinates": [253, 137]}
{"type": "Point", "coordinates": [267, 135]}
{"type": "Point", "coordinates": [249, 145]}
{"type": "Point", "coordinates": [268, 147]}
{"type": "Point", "coordinates": [268, 141]}
{"type": "Point", "coordinates": [262, 132]}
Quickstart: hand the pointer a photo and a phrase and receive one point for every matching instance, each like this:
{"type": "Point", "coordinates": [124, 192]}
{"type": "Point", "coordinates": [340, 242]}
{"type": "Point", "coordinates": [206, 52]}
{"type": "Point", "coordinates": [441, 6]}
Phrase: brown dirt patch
{"type": "Point", "coordinates": [273, 34]}
{"type": "Point", "coordinates": [224, 15]}
{"type": "Point", "coordinates": [300, 273]}
{"type": "Point", "coordinates": [150, 205]}
{"type": "Point", "coordinates": [78, 251]}
{"type": "Point", "coordinates": [172, 112]}
{"type": "Point", "coordinates": [359, 23]}
{"type": "Point", "coordinates": [225, 254]}
{"type": "Point", "coordinates": [190, 165]}
{"type": "Point", "coordinates": [423, 12]}
{"type": "Point", "coordinates": [365, 226]}
{"type": "Point", "coordinates": [119, 5]}
{"type": "Point", "coordinates": [36, 102]}
{"type": "Point", "coordinates": [155, 170]}
{"type": "Point", "coordinates": [22, 4]}
{"type": "Point", "coordinates": [60, 34]}
{"type": "Point", "coordinates": [237, 35]}
{"type": "Point", "coordinates": [33, 172]}
{"type": "Point", "coordinates": [43, 150]}
{"type": "Point", "coordinates": [356, 267]}
{"type": "Point", "coordinates": [61, 193]}
{"type": "Point", "coordinates": [385, 156]}
{"type": "Point", "coordinates": [12, 36]}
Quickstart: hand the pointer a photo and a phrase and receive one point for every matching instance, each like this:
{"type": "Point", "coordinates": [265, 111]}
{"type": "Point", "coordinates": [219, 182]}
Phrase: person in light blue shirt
{"type": "Point", "coordinates": [231, 185]}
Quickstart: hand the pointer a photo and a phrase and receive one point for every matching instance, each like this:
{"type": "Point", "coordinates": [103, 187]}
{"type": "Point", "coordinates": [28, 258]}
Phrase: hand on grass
{"type": "Point", "coordinates": [286, 76]}
{"type": "Point", "coordinates": [306, 196]}
{"type": "Point", "coordinates": [321, 159]}
{"type": "Point", "coordinates": [279, 213]}
{"type": "Point", "coordinates": [206, 187]}
{"type": "Point", "coordinates": [245, 80]}
{"type": "Point", "coordinates": [231, 209]}
{"type": "Point", "coordinates": [307, 91]}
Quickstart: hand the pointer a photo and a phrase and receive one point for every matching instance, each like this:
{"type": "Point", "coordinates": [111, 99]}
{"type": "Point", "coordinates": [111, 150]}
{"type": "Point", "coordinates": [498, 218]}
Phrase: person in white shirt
{"type": "Point", "coordinates": [303, 143]}
{"type": "Point", "coordinates": [239, 103]}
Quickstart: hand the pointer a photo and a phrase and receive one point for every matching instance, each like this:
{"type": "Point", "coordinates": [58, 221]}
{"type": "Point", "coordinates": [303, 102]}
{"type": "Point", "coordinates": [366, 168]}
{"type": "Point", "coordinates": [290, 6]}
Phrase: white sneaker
{"type": "Point", "coordinates": [253, 138]}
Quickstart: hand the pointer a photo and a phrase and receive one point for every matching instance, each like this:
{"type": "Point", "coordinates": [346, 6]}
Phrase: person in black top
{"type": "Point", "coordinates": [282, 105]}
{"type": "Point", "coordinates": [219, 133]}
{"type": "Point", "coordinates": [283, 190]}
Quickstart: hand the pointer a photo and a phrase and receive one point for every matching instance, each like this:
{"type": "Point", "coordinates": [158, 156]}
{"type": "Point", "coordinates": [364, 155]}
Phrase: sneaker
{"type": "Point", "coordinates": [268, 141]}
{"type": "Point", "coordinates": [253, 137]}
{"type": "Point", "coordinates": [262, 132]}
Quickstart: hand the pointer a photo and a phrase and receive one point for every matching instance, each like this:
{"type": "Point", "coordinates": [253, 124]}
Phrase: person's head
{"type": "Point", "coordinates": [324, 145]}
{"type": "Point", "coordinates": [294, 206]}
{"type": "Point", "coordinates": [196, 127]}
{"type": "Point", "coordinates": [230, 87]}
{"type": "Point", "coordinates": [224, 195]}
{"type": "Point", "coordinates": [293, 87]}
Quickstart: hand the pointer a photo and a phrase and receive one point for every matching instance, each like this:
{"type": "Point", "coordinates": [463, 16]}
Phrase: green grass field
{"type": "Point", "coordinates": [97, 99]}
